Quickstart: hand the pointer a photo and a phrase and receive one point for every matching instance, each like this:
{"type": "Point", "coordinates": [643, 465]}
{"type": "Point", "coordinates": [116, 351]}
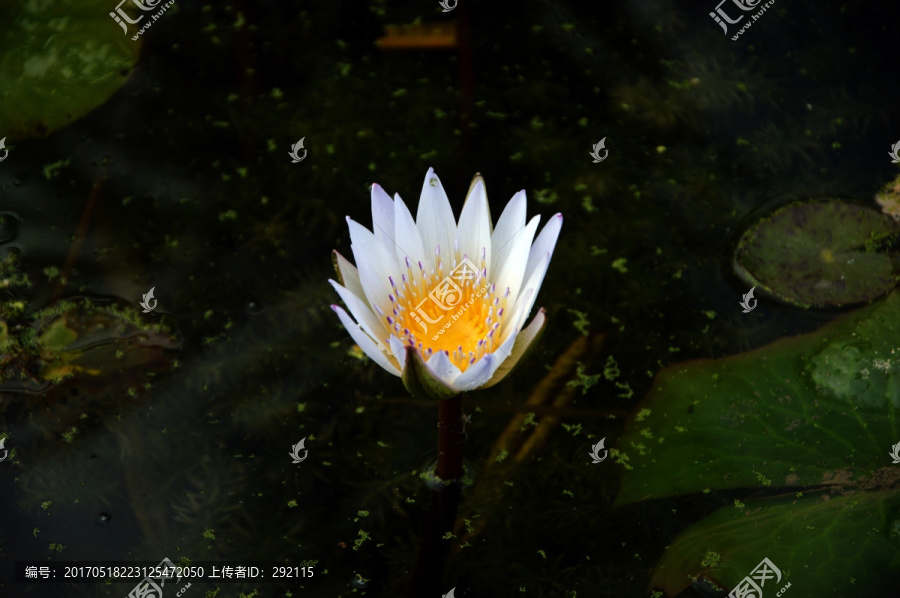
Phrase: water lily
{"type": "Point", "coordinates": [443, 303]}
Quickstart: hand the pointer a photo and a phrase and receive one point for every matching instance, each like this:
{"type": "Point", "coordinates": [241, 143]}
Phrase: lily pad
{"type": "Point", "coordinates": [815, 411]}
{"type": "Point", "coordinates": [821, 252]}
{"type": "Point", "coordinates": [817, 545]}
{"type": "Point", "coordinates": [58, 61]}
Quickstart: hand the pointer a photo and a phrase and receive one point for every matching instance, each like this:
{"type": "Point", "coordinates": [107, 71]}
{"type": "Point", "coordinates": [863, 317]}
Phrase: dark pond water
{"type": "Point", "coordinates": [164, 163]}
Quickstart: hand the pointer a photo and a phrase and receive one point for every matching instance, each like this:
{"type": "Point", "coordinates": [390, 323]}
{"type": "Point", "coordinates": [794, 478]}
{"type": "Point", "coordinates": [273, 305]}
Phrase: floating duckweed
{"type": "Point", "coordinates": [583, 380]}
{"type": "Point", "coordinates": [619, 265]}
{"type": "Point", "coordinates": [56, 547]}
{"type": "Point", "coordinates": [762, 479]}
{"type": "Point", "coordinates": [46, 504]}
{"type": "Point", "coordinates": [209, 534]}
{"type": "Point", "coordinates": [642, 414]}
{"type": "Point", "coordinates": [738, 504]}
{"type": "Point", "coordinates": [581, 322]}
{"type": "Point", "coordinates": [627, 388]}
{"type": "Point", "coordinates": [545, 196]}
{"type": "Point", "coordinates": [611, 370]}
{"type": "Point", "coordinates": [362, 537]}
{"type": "Point", "coordinates": [501, 457]}
{"type": "Point", "coordinates": [529, 420]}
{"type": "Point", "coordinates": [620, 457]}
{"type": "Point", "coordinates": [574, 429]}
{"type": "Point", "coordinates": [711, 559]}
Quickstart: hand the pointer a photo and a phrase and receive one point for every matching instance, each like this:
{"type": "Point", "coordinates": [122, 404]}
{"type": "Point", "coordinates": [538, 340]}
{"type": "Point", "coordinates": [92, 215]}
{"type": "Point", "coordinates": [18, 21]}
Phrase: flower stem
{"type": "Point", "coordinates": [450, 439]}
{"type": "Point", "coordinates": [428, 578]}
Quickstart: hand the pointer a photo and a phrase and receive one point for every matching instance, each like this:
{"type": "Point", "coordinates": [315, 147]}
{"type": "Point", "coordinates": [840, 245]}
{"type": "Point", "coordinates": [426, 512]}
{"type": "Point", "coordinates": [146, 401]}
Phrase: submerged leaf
{"type": "Point", "coordinates": [58, 61]}
{"type": "Point", "coordinates": [819, 253]}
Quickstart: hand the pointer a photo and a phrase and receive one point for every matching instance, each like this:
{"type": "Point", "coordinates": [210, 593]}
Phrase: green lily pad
{"type": "Point", "coordinates": [58, 61]}
{"type": "Point", "coordinates": [820, 410]}
{"type": "Point", "coordinates": [819, 253]}
{"type": "Point", "coordinates": [789, 414]}
{"type": "Point", "coordinates": [817, 545]}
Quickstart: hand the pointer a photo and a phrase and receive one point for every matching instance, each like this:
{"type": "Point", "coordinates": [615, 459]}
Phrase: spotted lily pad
{"type": "Point", "coordinates": [825, 252]}
{"type": "Point", "coordinates": [809, 420]}
{"type": "Point", "coordinates": [58, 61]}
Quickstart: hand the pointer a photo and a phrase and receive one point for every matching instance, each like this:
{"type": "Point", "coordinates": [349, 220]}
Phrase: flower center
{"type": "Point", "coordinates": [454, 310]}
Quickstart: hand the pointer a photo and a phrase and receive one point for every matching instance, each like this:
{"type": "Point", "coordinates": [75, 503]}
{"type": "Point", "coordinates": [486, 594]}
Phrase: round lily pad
{"type": "Point", "coordinates": [58, 61]}
{"type": "Point", "coordinates": [822, 252]}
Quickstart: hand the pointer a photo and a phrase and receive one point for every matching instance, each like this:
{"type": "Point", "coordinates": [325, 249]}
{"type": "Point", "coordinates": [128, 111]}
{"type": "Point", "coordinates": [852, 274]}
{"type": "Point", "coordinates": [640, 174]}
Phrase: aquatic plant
{"type": "Point", "coordinates": [442, 322]}
{"type": "Point", "coordinates": [806, 423]}
{"type": "Point", "coordinates": [398, 286]}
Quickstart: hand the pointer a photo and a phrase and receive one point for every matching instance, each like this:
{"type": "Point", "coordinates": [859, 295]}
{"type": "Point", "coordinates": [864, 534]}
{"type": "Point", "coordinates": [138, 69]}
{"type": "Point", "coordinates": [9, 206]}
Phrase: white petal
{"type": "Point", "coordinates": [509, 276]}
{"type": "Point", "coordinates": [474, 230]}
{"type": "Point", "coordinates": [374, 263]}
{"type": "Point", "coordinates": [544, 244]}
{"type": "Point", "coordinates": [383, 217]}
{"type": "Point", "coordinates": [525, 301]}
{"type": "Point", "coordinates": [511, 221]}
{"type": "Point", "coordinates": [522, 342]}
{"type": "Point", "coordinates": [478, 373]}
{"type": "Point", "coordinates": [406, 236]}
{"type": "Point", "coordinates": [398, 349]}
{"type": "Point", "coordinates": [372, 324]}
{"type": "Point", "coordinates": [514, 318]}
{"type": "Point", "coordinates": [349, 275]}
{"type": "Point", "coordinates": [365, 343]}
{"type": "Point", "coordinates": [434, 217]}
{"type": "Point", "coordinates": [440, 365]}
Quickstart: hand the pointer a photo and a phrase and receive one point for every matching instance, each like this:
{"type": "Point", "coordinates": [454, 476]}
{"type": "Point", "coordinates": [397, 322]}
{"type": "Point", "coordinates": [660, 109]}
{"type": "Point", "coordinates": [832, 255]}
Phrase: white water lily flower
{"type": "Point", "coordinates": [443, 304]}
